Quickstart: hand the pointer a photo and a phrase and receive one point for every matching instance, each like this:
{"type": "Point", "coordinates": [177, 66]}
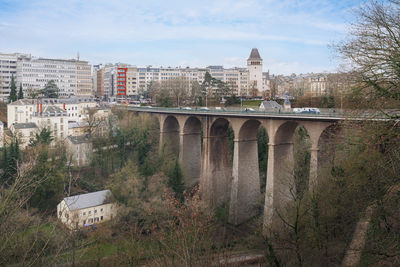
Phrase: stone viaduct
{"type": "Point", "coordinates": [238, 185]}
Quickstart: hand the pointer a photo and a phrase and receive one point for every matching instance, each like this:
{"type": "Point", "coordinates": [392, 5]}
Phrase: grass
{"type": "Point", "coordinates": [248, 104]}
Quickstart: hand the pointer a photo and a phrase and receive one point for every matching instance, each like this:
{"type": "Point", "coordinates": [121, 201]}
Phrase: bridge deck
{"type": "Point", "coordinates": [323, 116]}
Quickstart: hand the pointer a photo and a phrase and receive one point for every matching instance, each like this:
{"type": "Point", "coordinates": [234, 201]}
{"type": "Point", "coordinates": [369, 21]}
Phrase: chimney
{"type": "Point", "coordinates": [37, 107]}
{"type": "Point", "coordinates": [41, 108]}
{"type": "Point", "coordinates": [64, 106]}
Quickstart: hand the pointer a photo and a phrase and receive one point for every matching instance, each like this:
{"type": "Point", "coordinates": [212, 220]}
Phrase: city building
{"type": "Point", "coordinates": [8, 68]}
{"type": "Point", "coordinates": [84, 82]}
{"type": "Point", "coordinates": [22, 110]}
{"type": "Point", "coordinates": [86, 209]}
{"type": "Point", "coordinates": [24, 132]}
{"type": "Point", "coordinates": [54, 119]}
{"type": "Point", "coordinates": [79, 149]}
{"type": "Point", "coordinates": [72, 76]}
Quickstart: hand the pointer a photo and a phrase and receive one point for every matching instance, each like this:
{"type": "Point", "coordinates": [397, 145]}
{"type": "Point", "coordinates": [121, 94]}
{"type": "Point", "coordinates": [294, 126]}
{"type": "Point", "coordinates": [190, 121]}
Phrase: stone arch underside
{"type": "Point", "coordinates": [245, 174]}
{"type": "Point", "coordinates": [169, 139]}
{"type": "Point", "coordinates": [190, 154]}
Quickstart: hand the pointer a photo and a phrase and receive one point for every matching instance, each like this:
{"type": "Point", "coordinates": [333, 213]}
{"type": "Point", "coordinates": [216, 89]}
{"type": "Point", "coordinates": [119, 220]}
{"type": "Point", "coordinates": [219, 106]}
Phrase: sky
{"type": "Point", "coordinates": [292, 36]}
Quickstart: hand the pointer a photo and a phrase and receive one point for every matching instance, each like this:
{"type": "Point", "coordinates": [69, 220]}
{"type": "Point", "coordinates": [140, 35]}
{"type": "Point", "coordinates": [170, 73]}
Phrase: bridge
{"type": "Point", "coordinates": [207, 161]}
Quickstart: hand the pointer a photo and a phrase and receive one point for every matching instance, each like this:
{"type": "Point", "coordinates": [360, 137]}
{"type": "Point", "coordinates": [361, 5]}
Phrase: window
{"type": "Point", "coordinates": [101, 209]}
{"type": "Point", "coordinates": [101, 217]}
{"type": "Point", "coordinates": [84, 213]}
{"type": "Point", "coordinates": [95, 211]}
{"type": "Point", "coordinates": [90, 211]}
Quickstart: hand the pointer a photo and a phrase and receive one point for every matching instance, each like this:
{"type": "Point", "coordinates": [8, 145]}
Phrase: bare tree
{"type": "Point", "coordinates": [373, 48]}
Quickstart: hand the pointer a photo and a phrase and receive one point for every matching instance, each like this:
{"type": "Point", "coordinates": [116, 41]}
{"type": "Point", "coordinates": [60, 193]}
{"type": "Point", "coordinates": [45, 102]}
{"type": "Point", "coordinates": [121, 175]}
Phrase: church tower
{"type": "Point", "coordinates": [255, 80]}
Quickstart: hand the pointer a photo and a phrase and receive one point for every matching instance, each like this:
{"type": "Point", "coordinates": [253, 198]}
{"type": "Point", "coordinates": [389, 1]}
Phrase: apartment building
{"type": "Point", "coordinates": [54, 119]}
{"type": "Point", "coordinates": [72, 77]}
{"type": "Point", "coordinates": [22, 111]}
{"type": "Point", "coordinates": [8, 68]}
{"type": "Point", "coordinates": [25, 132]}
{"type": "Point", "coordinates": [84, 83]}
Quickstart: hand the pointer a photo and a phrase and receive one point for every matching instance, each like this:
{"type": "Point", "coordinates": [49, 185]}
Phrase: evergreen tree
{"type": "Point", "coordinates": [4, 165]}
{"type": "Point", "coordinates": [13, 91]}
{"type": "Point", "coordinates": [175, 180]}
{"type": "Point", "coordinates": [20, 92]}
{"type": "Point", "coordinates": [43, 137]}
{"type": "Point", "coordinates": [50, 90]}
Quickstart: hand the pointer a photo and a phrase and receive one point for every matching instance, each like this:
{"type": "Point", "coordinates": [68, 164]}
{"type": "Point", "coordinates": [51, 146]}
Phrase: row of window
{"type": "Point", "coordinates": [90, 212]}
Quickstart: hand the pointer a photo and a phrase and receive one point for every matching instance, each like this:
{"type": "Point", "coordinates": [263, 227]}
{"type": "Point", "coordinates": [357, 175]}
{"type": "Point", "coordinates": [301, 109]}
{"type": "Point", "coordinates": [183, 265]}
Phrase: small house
{"type": "Point", "coordinates": [86, 209]}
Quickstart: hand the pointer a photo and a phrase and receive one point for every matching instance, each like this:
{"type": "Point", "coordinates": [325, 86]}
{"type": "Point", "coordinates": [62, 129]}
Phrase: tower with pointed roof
{"type": "Point", "coordinates": [255, 80]}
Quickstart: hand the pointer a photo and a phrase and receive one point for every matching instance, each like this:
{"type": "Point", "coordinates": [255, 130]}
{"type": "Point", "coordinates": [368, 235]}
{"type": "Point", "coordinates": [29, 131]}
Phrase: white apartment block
{"type": "Point", "coordinates": [8, 68]}
{"type": "Point", "coordinates": [54, 119]}
{"type": "Point", "coordinates": [73, 77]}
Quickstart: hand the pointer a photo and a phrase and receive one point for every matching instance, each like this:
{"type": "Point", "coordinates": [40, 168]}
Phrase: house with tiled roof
{"type": "Point", "coordinates": [87, 209]}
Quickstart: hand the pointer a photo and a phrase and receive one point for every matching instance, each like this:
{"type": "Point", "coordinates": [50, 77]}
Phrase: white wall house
{"type": "Point", "coordinates": [86, 209]}
{"type": "Point", "coordinates": [79, 149]}
{"type": "Point", "coordinates": [54, 119]}
{"type": "Point", "coordinates": [24, 132]}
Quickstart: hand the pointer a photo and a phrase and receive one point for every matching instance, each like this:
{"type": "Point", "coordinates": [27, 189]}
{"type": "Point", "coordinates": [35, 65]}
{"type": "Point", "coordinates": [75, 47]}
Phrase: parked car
{"type": "Point", "coordinates": [187, 108]}
{"type": "Point", "coordinates": [204, 108]}
{"type": "Point", "coordinates": [249, 109]}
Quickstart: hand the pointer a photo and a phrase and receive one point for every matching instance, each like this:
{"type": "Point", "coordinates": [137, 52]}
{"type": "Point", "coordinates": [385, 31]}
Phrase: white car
{"type": "Point", "coordinates": [187, 108]}
{"type": "Point", "coordinates": [204, 108]}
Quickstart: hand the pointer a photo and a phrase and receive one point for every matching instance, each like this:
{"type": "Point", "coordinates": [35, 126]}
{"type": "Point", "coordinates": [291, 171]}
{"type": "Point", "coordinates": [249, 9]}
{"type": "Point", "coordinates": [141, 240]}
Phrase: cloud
{"type": "Point", "coordinates": [54, 26]}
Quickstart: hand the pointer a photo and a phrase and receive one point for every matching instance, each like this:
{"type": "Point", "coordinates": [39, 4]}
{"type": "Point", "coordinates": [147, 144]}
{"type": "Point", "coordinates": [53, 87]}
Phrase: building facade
{"type": "Point", "coordinates": [8, 68]}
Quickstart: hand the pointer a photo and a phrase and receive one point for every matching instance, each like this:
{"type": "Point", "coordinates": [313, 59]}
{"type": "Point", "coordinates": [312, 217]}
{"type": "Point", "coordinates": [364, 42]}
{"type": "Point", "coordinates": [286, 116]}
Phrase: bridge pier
{"type": "Point", "coordinates": [239, 185]}
{"type": "Point", "coordinates": [216, 175]}
{"type": "Point", "coordinates": [280, 187]}
{"type": "Point", "coordinates": [313, 168]}
{"type": "Point", "coordinates": [190, 156]}
{"type": "Point", "coordinates": [245, 181]}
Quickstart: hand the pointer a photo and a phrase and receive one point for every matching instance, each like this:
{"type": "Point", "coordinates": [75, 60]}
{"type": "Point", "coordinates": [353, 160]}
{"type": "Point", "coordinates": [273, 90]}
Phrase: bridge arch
{"type": "Point", "coordinates": [245, 173]}
{"type": "Point", "coordinates": [190, 152]}
{"type": "Point", "coordinates": [169, 136]}
{"type": "Point", "coordinates": [328, 144]}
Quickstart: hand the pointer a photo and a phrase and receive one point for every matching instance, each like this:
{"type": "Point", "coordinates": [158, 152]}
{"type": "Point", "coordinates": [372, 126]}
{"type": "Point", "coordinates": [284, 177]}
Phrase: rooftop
{"type": "Point", "coordinates": [88, 200]}
{"type": "Point", "coordinates": [79, 139]}
{"type": "Point", "coordinates": [270, 104]}
{"type": "Point", "coordinates": [26, 125]}
{"type": "Point", "coordinates": [254, 54]}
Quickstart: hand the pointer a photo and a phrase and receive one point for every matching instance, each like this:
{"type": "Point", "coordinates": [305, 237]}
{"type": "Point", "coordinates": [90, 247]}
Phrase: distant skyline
{"type": "Point", "coordinates": [291, 36]}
